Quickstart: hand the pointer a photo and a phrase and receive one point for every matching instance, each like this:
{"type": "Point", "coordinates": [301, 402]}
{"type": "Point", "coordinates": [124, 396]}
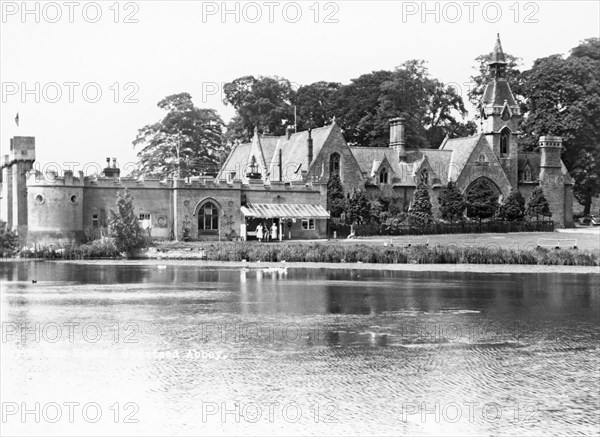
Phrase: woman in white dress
{"type": "Point", "coordinates": [259, 232]}
{"type": "Point", "coordinates": [274, 232]}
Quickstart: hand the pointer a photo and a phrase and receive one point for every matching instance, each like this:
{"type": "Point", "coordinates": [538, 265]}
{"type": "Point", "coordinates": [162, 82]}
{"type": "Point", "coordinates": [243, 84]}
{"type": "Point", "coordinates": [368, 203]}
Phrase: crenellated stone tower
{"type": "Point", "coordinates": [501, 115]}
{"type": "Point", "coordinates": [13, 208]}
{"type": "Point", "coordinates": [552, 180]}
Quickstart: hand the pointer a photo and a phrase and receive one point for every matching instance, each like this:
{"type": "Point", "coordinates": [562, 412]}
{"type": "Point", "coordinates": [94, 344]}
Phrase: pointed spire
{"type": "Point", "coordinates": [498, 54]}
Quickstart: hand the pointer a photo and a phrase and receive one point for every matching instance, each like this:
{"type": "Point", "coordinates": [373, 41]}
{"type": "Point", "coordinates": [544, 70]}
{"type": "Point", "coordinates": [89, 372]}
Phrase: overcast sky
{"type": "Point", "coordinates": [158, 48]}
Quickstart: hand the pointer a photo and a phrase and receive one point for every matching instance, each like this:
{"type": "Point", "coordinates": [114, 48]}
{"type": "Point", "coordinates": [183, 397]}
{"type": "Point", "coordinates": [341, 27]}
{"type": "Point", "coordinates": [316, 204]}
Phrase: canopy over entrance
{"type": "Point", "coordinates": [293, 210]}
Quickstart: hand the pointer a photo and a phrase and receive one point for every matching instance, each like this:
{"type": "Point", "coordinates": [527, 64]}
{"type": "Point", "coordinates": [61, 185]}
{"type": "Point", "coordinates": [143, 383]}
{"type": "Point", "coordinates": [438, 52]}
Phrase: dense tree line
{"type": "Point", "coordinates": [559, 95]}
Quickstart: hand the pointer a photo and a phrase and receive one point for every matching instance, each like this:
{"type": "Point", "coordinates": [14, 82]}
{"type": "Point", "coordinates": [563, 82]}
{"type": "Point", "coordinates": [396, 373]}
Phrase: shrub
{"type": "Point", "coordinates": [452, 203]}
{"type": "Point", "coordinates": [537, 204]}
{"type": "Point", "coordinates": [421, 204]}
{"type": "Point", "coordinates": [513, 207]}
{"type": "Point", "coordinates": [9, 243]}
{"type": "Point", "coordinates": [125, 228]}
{"type": "Point", "coordinates": [335, 196]}
{"type": "Point", "coordinates": [482, 202]}
{"type": "Point", "coordinates": [358, 207]}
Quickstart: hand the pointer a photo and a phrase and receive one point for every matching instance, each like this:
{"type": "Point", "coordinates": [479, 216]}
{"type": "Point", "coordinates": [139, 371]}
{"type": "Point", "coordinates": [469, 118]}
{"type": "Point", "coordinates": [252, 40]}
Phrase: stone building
{"type": "Point", "coordinates": [392, 172]}
{"type": "Point", "coordinates": [283, 179]}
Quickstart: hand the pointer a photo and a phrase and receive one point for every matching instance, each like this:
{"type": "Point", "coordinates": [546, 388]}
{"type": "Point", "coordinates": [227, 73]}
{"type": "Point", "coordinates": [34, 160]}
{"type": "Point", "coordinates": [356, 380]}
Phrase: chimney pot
{"type": "Point", "coordinates": [289, 131]}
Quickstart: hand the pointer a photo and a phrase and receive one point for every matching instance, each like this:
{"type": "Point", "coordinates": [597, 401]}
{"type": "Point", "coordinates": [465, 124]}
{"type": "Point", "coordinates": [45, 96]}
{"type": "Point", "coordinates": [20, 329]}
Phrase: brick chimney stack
{"type": "Point", "coordinates": [397, 141]}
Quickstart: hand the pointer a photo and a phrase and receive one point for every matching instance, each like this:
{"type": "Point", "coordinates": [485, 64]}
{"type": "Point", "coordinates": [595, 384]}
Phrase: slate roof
{"type": "Point", "coordinates": [370, 158]}
{"type": "Point", "coordinates": [461, 149]}
{"type": "Point", "coordinates": [294, 151]}
{"type": "Point", "coordinates": [533, 159]}
{"type": "Point", "coordinates": [496, 92]}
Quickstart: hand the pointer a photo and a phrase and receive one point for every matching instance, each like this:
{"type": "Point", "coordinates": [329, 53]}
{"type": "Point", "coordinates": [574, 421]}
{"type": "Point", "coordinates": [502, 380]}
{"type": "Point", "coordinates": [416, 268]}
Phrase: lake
{"type": "Point", "coordinates": [183, 349]}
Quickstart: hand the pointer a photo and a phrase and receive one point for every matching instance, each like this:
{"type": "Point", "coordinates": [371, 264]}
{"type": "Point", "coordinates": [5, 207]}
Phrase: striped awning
{"type": "Point", "coordinates": [290, 210]}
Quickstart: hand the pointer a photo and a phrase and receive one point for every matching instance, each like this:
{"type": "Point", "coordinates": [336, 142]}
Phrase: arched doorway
{"type": "Point", "coordinates": [482, 196]}
{"type": "Point", "coordinates": [208, 218]}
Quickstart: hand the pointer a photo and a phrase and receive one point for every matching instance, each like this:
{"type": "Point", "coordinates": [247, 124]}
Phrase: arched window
{"type": "Point", "coordinates": [482, 158]}
{"type": "Point", "coordinates": [527, 174]}
{"type": "Point", "coordinates": [208, 217]}
{"type": "Point", "coordinates": [334, 164]}
{"type": "Point", "coordinates": [504, 142]}
{"type": "Point", "coordinates": [425, 176]}
{"type": "Point", "coordinates": [383, 176]}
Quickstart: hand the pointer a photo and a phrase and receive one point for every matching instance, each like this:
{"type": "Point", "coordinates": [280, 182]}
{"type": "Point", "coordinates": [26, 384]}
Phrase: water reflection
{"type": "Point", "coordinates": [372, 343]}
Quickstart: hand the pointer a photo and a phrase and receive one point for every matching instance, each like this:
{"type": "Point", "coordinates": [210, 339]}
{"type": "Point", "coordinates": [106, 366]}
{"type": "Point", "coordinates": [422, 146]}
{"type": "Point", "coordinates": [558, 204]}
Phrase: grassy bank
{"type": "Point", "coordinates": [338, 253]}
{"type": "Point", "coordinates": [334, 252]}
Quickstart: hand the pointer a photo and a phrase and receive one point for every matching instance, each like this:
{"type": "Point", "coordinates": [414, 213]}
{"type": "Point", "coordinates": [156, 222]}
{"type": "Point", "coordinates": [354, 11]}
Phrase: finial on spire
{"type": "Point", "coordinates": [498, 54]}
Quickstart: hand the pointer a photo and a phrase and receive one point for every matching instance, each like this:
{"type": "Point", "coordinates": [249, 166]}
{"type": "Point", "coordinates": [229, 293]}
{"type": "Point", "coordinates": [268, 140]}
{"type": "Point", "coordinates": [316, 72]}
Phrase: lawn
{"type": "Point", "coordinates": [587, 239]}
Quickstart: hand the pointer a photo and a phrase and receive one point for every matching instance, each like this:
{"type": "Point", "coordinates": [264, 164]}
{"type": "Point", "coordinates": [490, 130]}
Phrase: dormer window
{"type": "Point", "coordinates": [527, 174]}
{"type": "Point", "coordinates": [254, 172]}
{"type": "Point", "coordinates": [383, 176]}
{"type": "Point", "coordinates": [425, 176]}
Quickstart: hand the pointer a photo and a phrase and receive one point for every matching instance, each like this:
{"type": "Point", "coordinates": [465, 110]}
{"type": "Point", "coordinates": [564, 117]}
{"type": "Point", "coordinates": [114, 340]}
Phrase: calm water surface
{"type": "Point", "coordinates": [190, 350]}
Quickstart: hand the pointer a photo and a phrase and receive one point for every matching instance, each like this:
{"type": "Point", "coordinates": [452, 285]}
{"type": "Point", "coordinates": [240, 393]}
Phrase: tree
{"type": "Point", "coordinates": [571, 110]}
{"type": "Point", "coordinates": [420, 211]}
{"type": "Point", "coordinates": [358, 207]}
{"type": "Point", "coordinates": [262, 102]}
{"type": "Point", "coordinates": [513, 207]}
{"type": "Point", "coordinates": [452, 202]}
{"type": "Point", "coordinates": [124, 225]}
{"type": "Point", "coordinates": [482, 201]}
{"type": "Point", "coordinates": [335, 196]}
{"type": "Point", "coordinates": [186, 142]}
{"type": "Point", "coordinates": [9, 241]}
{"type": "Point", "coordinates": [537, 204]}
{"type": "Point", "coordinates": [421, 202]}
{"type": "Point", "coordinates": [356, 105]}
{"type": "Point", "coordinates": [586, 171]}
{"type": "Point", "coordinates": [315, 104]}
{"type": "Point", "coordinates": [376, 211]}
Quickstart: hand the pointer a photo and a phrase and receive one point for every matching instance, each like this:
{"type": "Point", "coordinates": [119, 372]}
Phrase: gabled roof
{"type": "Point", "coordinates": [439, 161]}
{"type": "Point", "coordinates": [236, 161]}
{"type": "Point", "coordinates": [369, 157]}
{"type": "Point", "coordinates": [461, 148]}
{"type": "Point", "coordinates": [533, 160]}
{"type": "Point", "coordinates": [295, 150]}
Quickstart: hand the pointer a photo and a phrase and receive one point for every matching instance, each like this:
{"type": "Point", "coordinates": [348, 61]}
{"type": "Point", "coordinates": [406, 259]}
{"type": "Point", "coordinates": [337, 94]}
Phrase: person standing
{"type": "Point", "coordinates": [259, 232]}
{"type": "Point", "coordinates": [274, 232]}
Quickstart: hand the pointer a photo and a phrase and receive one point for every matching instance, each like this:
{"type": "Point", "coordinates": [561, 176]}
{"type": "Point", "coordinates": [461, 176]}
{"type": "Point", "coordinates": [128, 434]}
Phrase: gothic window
{"type": "Point", "coordinates": [504, 142]}
{"type": "Point", "coordinates": [208, 218]}
{"type": "Point", "coordinates": [334, 164]}
{"type": "Point", "coordinates": [482, 158]}
{"type": "Point", "coordinates": [527, 174]}
{"type": "Point", "coordinates": [383, 176]}
{"type": "Point", "coordinates": [425, 176]}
